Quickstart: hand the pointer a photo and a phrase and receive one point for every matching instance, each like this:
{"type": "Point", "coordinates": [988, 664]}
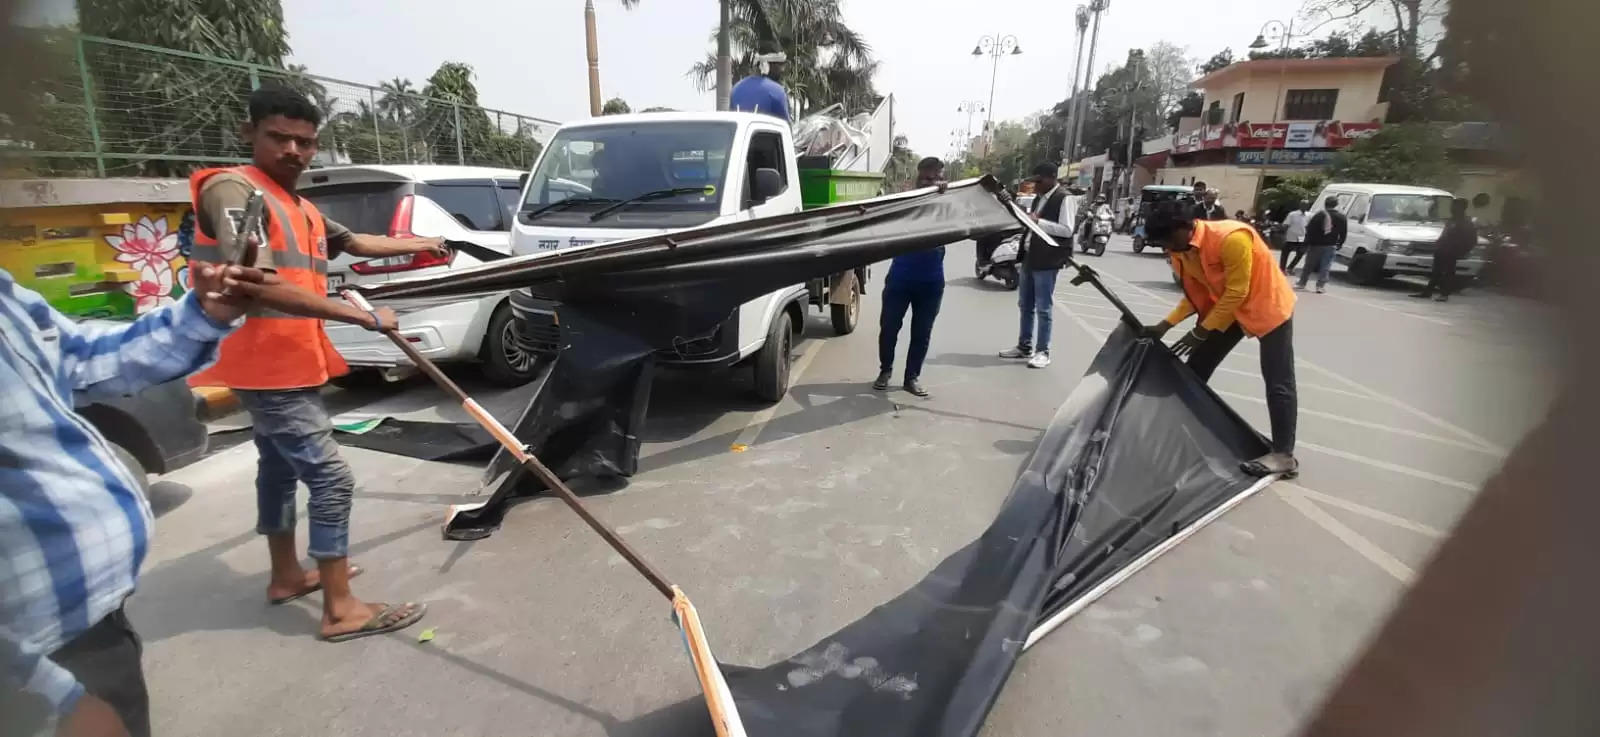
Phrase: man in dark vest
{"type": "Point", "coordinates": [1055, 210]}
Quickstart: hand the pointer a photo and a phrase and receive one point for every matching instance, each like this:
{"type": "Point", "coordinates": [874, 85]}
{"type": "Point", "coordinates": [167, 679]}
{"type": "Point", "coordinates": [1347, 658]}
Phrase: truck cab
{"type": "Point", "coordinates": [630, 176]}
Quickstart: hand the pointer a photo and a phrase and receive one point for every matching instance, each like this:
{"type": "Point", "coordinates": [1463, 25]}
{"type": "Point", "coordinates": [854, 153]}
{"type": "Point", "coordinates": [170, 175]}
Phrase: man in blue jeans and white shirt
{"type": "Point", "coordinates": [1055, 210]}
{"type": "Point", "coordinates": [74, 526]}
{"type": "Point", "coordinates": [915, 283]}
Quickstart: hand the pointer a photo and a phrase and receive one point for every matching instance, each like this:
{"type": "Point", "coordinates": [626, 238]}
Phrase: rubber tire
{"type": "Point", "coordinates": [845, 317]}
{"type": "Point", "coordinates": [1362, 272]}
{"type": "Point", "coordinates": [1010, 280]}
{"type": "Point", "coordinates": [1138, 245]}
{"type": "Point", "coordinates": [134, 466]}
{"type": "Point", "coordinates": [495, 367]}
{"type": "Point", "coordinates": [774, 360]}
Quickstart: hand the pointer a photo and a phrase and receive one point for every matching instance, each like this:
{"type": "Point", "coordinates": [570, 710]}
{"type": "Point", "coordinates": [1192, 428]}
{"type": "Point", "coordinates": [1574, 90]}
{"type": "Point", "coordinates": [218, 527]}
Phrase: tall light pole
{"type": "Point", "coordinates": [995, 46]}
{"type": "Point", "coordinates": [1081, 19]}
{"type": "Point", "coordinates": [724, 56]}
{"type": "Point", "coordinates": [1281, 33]}
{"type": "Point", "coordinates": [1097, 7]}
{"type": "Point", "coordinates": [969, 107]}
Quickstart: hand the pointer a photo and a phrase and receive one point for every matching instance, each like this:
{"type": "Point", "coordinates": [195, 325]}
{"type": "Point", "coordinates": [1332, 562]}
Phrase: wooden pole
{"type": "Point", "coordinates": [593, 44]}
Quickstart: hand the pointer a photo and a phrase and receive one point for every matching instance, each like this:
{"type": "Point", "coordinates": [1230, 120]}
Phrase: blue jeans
{"type": "Point", "coordinates": [1036, 291]}
{"type": "Point", "coordinates": [1320, 260]}
{"type": "Point", "coordinates": [923, 299]}
{"type": "Point", "coordinates": [295, 439]}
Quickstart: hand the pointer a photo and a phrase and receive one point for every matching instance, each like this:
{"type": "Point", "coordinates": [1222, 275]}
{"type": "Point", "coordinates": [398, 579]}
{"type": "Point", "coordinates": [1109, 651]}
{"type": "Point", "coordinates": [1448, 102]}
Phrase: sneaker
{"type": "Point", "coordinates": [915, 387]}
{"type": "Point", "coordinates": [1016, 352]}
{"type": "Point", "coordinates": [1039, 360]}
{"type": "Point", "coordinates": [1322, 290]}
{"type": "Point", "coordinates": [882, 382]}
{"type": "Point", "coordinates": [1299, 287]}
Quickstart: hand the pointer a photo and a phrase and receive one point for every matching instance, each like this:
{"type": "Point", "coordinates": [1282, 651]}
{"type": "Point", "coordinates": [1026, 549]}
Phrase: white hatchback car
{"type": "Point", "coordinates": [463, 203]}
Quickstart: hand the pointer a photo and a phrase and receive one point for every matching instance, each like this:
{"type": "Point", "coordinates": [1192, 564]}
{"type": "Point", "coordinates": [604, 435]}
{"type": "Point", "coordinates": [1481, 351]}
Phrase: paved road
{"type": "Point", "coordinates": [843, 498]}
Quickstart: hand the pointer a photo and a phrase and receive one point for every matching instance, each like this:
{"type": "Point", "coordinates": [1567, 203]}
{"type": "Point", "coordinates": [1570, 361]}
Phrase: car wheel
{"type": "Point", "coordinates": [1009, 279]}
{"type": "Point", "coordinates": [505, 362]}
{"type": "Point", "coordinates": [773, 361]}
{"type": "Point", "coordinates": [846, 316]}
{"type": "Point", "coordinates": [140, 475]}
{"type": "Point", "coordinates": [1366, 271]}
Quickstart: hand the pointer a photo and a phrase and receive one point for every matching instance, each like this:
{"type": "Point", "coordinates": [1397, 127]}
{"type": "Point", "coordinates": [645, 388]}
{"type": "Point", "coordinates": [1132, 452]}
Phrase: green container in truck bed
{"type": "Point", "coordinates": [820, 187]}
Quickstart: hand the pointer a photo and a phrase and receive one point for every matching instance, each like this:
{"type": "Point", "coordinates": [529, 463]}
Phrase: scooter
{"type": "Point", "coordinates": [1099, 236]}
{"type": "Point", "coordinates": [1001, 264]}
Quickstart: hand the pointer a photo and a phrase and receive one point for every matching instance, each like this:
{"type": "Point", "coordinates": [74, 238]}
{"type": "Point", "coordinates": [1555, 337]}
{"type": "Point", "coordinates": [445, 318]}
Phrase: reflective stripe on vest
{"type": "Point", "coordinates": [1270, 301]}
{"type": "Point", "coordinates": [273, 350]}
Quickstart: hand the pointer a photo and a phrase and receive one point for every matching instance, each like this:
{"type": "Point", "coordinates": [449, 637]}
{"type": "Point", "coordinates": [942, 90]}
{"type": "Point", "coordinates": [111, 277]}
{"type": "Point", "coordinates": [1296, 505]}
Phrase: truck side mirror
{"type": "Point", "coordinates": [766, 184]}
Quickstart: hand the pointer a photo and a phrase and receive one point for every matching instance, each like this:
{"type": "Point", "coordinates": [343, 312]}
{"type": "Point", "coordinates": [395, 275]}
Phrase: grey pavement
{"type": "Point", "coordinates": [843, 497]}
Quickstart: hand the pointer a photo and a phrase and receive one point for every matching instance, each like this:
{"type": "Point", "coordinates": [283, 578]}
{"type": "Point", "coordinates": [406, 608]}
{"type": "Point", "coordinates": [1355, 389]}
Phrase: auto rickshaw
{"type": "Point", "coordinates": [1150, 195]}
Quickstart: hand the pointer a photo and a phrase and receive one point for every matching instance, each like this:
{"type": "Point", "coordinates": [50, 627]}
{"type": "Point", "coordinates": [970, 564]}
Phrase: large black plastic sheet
{"type": "Point", "coordinates": [622, 301]}
{"type": "Point", "coordinates": [1139, 456]}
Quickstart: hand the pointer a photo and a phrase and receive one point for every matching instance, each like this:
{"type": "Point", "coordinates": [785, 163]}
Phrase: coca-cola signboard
{"type": "Point", "coordinates": [1298, 134]}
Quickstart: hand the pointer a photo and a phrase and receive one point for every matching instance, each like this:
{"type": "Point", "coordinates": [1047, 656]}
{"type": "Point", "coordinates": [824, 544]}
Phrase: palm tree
{"type": "Point", "coordinates": [399, 99]}
{"type": "Point", "coordinates": [828, 61]}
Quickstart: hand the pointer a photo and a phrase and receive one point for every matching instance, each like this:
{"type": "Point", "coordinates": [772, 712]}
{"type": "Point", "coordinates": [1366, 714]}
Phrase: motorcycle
{"type": "Point", "coordinates": [1001, 262]}
{"type": "Point", "coordinates": [1099, 235]}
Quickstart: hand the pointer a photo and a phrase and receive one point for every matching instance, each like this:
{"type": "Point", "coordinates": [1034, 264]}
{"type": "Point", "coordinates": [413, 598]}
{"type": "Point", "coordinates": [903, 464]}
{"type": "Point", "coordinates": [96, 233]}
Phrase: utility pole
{"type": "Point", "coordinates": [1097, 7]}
{"type": "Point", "coordinates": [724, 57]}
{"type": "Point", "coordinates": [995, 46]}
{"type": "Point", "coordinates": [1135, 60]}
{"type": "Point", "coordinates": [1081, 18]}
{"type": "Point", "coordinates": [594, 58]}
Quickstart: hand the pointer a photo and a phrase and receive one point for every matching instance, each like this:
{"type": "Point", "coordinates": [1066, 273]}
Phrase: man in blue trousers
{"type": "Point", "coordinates": [915, 283]}
{"type": "Point", "coordinates": [1055, 210]}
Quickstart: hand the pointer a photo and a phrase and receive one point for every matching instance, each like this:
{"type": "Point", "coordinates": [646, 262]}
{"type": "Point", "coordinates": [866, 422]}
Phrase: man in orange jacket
{"type": "Point", "coordinates": [278, 361]}
{"type": "Point", "coordinates": [1230, 278]}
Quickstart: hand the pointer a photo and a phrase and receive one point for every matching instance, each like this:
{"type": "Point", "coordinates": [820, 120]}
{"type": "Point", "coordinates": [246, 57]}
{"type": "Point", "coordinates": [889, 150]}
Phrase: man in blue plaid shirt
{"type": "Point", "coordinates": [73, 526]}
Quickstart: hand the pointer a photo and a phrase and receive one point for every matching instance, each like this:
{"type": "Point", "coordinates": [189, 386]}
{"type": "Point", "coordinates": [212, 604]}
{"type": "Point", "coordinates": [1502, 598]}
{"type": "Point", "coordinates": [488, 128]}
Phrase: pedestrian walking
{"type": "Point", "coordinates": [915, 283]}
{"type": "Point", "coordinates": [1229, 278]}
{"type": "Point", "coordinates": [1325, 233]}
{"type": "Point", "coordinates": [1207, 207]}
{"type": "Point", "coordinates": [1458, 237]}
{"type": "Point", "coordinates": [1294, 237]}
{"type": "Point", "coordinates": [74, 522]}
{"type": "Point", "coordinates": [1055, 212]}
{"type": "Point", "coordinates": [277, 362]}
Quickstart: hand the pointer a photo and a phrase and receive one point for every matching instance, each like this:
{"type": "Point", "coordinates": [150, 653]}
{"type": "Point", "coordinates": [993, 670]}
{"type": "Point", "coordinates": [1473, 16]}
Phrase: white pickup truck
{"type": "Point", "coordinates": [629, 176]}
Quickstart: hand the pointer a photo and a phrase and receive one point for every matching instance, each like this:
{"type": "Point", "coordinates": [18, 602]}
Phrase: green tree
{"type": "Point", "coordinates": [1406, 153]}
{"type": "Point", "coordinates": [243, 30]}
{"type": "Point", "coordinates": [1217, 61]}
{"type": "Point", "coordinates": [615, 106]}
{"type": "Point", "coordinates": [1289, 192]}
{"type": "Point", "coordinates": [659, 109]}
{"type": "Point", "coordinates": [1190, 106]}
{"type": "Point", "coordinates": [828, 62]}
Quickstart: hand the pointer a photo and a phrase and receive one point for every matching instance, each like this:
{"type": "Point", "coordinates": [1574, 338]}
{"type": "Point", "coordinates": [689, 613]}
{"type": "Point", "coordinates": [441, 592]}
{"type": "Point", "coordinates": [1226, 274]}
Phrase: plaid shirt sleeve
{"type": "Point", "coordinates": [37, 674]}
{"type": "Point", "coordinates": [100, 359]}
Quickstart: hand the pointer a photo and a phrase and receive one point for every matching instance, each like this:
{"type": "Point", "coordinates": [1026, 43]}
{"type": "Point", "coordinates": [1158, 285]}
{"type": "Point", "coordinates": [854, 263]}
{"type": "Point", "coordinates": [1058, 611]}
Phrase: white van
{"type": "Point", "coordinates": [630, 176]}
{"type": "Point", "coordinates": [1393, 230]}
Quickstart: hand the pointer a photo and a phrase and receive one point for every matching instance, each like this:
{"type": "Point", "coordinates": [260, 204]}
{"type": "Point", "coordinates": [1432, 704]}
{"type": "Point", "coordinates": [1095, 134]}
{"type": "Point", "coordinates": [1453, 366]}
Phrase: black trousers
{"type": "Point", "coordinates": [1294, 248]}
{"type": "Point", "coordinates": [1277, 370]}
{"type": "Point", "coordinates": [922, 299]}
{"type": "Point", "coordinates": [1443, 277]}
{"type": "Point", "coordinates": [105, 659]}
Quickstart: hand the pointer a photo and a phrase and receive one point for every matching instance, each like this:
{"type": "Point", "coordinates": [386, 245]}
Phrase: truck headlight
{"type": "Point", "coordinates": [1388, 246]}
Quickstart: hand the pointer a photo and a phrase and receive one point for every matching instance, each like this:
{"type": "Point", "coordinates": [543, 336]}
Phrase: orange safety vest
{"type": "Point", "coordinates": [273, 350]}
{"type": "Point", "coordinates": [1270, 301]}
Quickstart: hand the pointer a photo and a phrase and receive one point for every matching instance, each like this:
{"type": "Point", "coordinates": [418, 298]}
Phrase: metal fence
{"type": "Point", "coordinates": [103, 107]}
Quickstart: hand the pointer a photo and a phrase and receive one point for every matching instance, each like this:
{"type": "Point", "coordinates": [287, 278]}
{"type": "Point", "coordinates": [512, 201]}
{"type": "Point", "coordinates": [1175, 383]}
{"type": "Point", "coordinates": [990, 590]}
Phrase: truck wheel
{"type": "Point", "coordinates": [505, 363]}
{"type": "Point", "coordinates": [846, 316]}
{"type": "Point", "coordinates": [140, 475]}
{"type": "Point", "coordinates": [772, 362]}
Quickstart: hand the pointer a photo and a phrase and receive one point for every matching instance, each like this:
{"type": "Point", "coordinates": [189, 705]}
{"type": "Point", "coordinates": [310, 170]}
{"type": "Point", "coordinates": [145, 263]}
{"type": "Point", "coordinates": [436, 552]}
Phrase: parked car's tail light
{"type": "Point", "coordinates": [400, 227]}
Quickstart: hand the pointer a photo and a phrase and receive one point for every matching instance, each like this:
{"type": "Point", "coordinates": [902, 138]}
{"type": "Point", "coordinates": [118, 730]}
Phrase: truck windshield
{"type": "Point", "coordinates": [606, 164]}
{"type": "Point", "coordinates": [1409, 208]}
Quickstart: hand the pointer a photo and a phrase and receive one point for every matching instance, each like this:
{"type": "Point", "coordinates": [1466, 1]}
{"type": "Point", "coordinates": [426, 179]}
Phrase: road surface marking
{"type": "Point", "coordinates": [1392, 467]}
{"type": "Point", "coordinates": [1366, 511]}
{"type": "Point", "coordinates": [1385, 308]}
{"type": "Point", "coordinates": [1303, 384]}
{"type": "Point", "coordinates": [1370, 425]}
{"type": "Point", "coordinates": [1102, 307]}
{"type": "Point", "coordinates": [1397, 404]}
{"type": "Point", "coordinates": [759, 420]}
{"type": "Point", "coordinates": [1352, 539]}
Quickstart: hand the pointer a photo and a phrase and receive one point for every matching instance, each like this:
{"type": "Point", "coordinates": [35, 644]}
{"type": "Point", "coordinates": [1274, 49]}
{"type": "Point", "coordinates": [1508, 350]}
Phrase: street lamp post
{"type": "Point", "coordinates": [995, 46]}
{"type": "Point", "coordinates": [1281, 33]}
{"type": "Point", "coordinates": [969, 107]}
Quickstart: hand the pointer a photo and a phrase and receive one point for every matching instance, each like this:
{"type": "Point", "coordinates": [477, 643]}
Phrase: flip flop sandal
{"type": "Point", "coordinates": [375, 626]}
{"type": "Point", "coordinates": [355, 570]}
{"type": "Point", "coordinates": [1258, 469]}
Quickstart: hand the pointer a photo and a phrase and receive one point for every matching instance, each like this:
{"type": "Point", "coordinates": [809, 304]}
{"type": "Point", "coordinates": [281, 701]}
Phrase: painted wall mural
{"type": "Point", "coordinates": [112, 260]}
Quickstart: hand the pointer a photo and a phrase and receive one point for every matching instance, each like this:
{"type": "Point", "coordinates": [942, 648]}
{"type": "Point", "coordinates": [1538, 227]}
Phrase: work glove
{"type": "Point", "coordinates": [1154, 332]}
{"type": "Point", "coordinates": [1190, 341]}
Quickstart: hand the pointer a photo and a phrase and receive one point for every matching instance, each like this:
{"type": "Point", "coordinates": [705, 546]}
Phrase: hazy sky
{"type": "Point", "coordinates": [529, 54]}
